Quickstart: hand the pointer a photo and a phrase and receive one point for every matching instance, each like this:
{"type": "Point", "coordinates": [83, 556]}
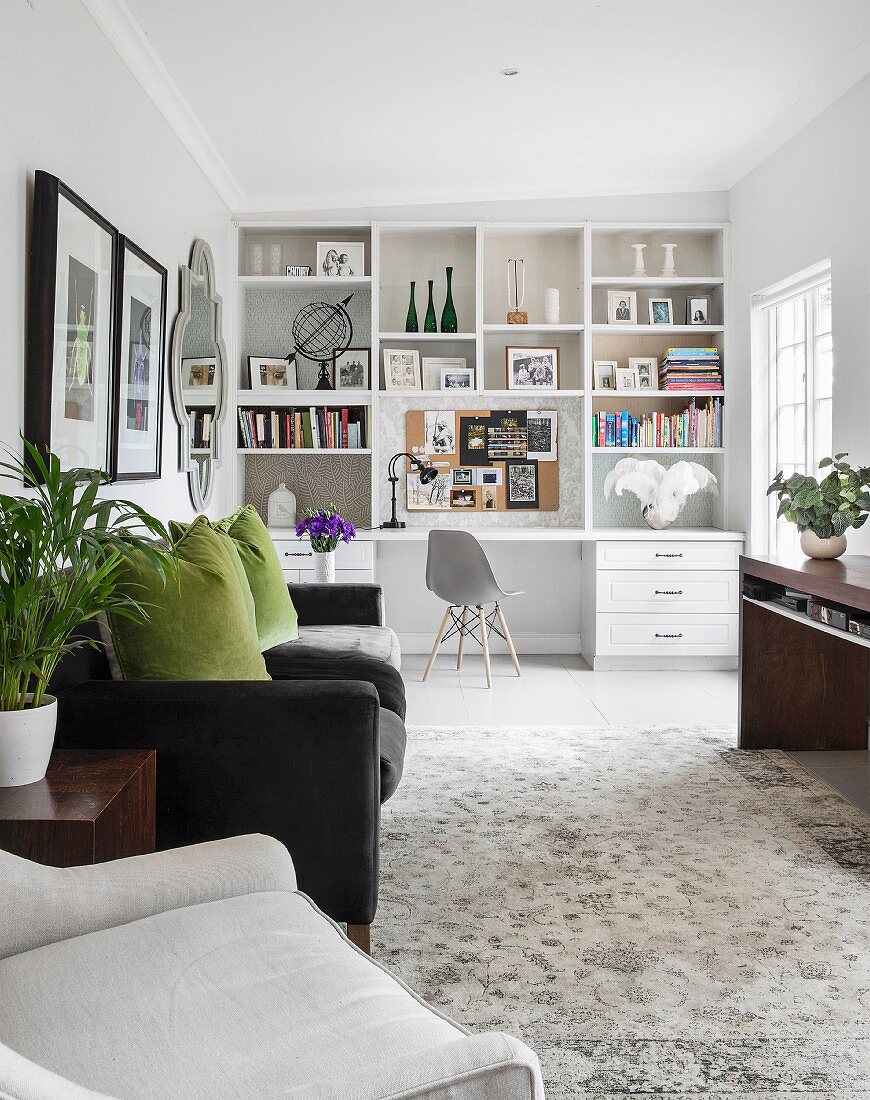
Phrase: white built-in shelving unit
{"type": "Point", "coordinates": [583, 260]}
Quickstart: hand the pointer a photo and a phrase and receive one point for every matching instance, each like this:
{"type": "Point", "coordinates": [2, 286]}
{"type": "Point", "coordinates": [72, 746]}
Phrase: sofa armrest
{"type": "Point", "coordinates": [41, 905]}
{"type": "Point", "coordinates": [338, 604]}
{"type": "Point", "coordinates": [491, 1066]}
{"type": "Point", "coordinates": [298, 760]}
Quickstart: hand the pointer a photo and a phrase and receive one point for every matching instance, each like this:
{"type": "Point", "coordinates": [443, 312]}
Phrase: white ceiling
{"type": "Point", "coordinates": [319, 103]}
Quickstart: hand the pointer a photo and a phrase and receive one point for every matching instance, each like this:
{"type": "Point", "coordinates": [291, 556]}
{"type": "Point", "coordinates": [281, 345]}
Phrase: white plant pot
{"type": "Point", "coordinates": [26, 741]}
{"type": "Point", "coordinates": [814, 547]}
{"type": "Point", "coordinates": [324, 567]}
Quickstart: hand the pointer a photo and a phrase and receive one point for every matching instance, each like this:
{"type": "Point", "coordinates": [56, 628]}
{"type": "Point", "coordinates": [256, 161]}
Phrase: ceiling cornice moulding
{"type": "Point", "coordinates": [124, 33]}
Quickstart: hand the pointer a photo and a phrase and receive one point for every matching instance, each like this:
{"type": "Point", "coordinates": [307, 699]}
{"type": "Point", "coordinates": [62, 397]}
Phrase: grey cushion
{"type": "Point", "coordinates": [393, 739]}
{"type": "Point", "coordinates": [253, 996]}
{"type": "Point", "coordinates": [378, 642]}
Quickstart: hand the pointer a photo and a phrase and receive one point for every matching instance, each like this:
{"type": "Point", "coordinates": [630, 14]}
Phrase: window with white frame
{"type": "Point", "coordinates": [794, 339]}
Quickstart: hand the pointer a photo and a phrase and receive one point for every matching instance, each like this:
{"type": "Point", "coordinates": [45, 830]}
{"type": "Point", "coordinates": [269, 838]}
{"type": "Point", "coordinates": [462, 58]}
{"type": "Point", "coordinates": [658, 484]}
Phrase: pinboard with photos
{"type": "Point", "coordinates": [500, 460]}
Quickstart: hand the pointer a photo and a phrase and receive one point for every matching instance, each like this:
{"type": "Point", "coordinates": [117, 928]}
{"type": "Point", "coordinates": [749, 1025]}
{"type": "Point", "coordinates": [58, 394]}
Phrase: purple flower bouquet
{"type": "Point", "coordinates": [326, 529]}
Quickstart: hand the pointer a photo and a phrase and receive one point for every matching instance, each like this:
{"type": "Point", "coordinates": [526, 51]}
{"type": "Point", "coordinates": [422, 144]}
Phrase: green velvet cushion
{"type": "Point", "coordinates": [177, 530]}
{"type": "Point", "coordinates": [199, 625]}
{"type": "Point", "coordinates": [277, 621]}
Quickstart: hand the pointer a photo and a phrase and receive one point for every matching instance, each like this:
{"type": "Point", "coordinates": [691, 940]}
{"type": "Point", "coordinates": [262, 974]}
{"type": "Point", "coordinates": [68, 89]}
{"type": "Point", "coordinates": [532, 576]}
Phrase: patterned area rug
{"type": "Point", "coordinates": [651, 911]}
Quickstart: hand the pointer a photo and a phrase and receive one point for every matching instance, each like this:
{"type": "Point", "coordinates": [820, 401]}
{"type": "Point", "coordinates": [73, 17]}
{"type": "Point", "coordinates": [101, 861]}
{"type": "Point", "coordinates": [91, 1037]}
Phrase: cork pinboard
{"type": "Point", "coordinates": [483, 460]}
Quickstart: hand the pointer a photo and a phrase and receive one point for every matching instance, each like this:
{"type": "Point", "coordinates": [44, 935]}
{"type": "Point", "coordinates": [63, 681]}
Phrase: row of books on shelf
{"type": "Point", "coordinates": [695, 426]}
{"type": "Point", "coordinates": [199, 422]}
{"type": "Point", "coordinates": [691, 369]}
{"type": "Point", "coordinates": [304, 429]}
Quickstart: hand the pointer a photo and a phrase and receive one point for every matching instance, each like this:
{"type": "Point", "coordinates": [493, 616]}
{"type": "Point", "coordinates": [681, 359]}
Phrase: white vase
{"type": "Point", "coordinates": [668, 271]}
{"type": "Point", "coordinates": [551, 306]}
{"type": "Point", "coordinates": [814, 547]}
{"type": "Point", "coordinates": [639, 269]}
{"type": "Point", "coordinates": [324, 567]}
{"type": "Point", "coordinates": [26, 741]}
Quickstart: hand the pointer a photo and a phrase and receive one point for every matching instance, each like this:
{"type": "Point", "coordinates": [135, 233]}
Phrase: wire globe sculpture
{"type": "Point", "coordinates": [319, 331]}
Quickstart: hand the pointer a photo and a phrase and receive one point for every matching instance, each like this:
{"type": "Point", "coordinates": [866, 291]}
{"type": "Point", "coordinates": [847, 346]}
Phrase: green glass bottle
{"type": "Point", "coordinates": [411, 319]}
{"type": "Point", "coordinates": [430, 324]}
{"type": "Point", "coordinates": [448, 314]}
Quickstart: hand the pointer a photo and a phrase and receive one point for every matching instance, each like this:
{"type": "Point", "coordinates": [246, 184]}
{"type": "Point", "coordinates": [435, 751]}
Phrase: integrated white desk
{"type": "Point", "coordinates": [558, 534]}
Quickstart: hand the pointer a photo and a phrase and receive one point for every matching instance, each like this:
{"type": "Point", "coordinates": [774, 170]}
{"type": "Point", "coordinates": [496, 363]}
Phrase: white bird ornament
{"type": "Point", "coordinates": [662, 491]}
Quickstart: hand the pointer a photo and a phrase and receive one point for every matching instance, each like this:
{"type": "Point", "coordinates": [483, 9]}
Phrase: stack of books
{"type": "Point", "coordinates": [303, 429]}
{"type": "Point", "coordinates": [695, 426]}
{"type": "Point", "coordinates": [199, 422]}
{"type": "Point", "coordinates": [687, 369]}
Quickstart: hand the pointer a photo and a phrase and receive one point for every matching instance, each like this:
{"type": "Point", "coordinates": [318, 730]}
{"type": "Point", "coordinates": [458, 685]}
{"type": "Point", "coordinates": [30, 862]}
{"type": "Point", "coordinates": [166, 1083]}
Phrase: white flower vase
{"type": "Point", "coordinates": [26, 741]}
{"type": "Point", "coordinates": [814, 547]}
{"type": "Point", "coordinates": [324, 567]}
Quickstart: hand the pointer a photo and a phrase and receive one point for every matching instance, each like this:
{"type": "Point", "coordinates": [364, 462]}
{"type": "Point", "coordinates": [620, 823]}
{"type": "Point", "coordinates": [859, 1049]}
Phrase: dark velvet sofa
{"type": "Point", "coordinates": [308, 757]}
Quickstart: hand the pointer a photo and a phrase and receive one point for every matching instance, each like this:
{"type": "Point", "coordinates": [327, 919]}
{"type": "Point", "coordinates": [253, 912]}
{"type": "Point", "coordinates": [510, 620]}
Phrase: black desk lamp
{"type": "Point", "coordinates": [427, 475]}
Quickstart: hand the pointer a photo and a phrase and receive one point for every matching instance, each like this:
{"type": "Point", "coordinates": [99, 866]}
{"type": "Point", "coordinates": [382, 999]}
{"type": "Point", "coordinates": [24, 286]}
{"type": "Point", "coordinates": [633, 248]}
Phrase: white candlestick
{"type": "Point", "coordinates": [551, 306]}
{"type": "Point", "coordinates": [669, 270]}
{"type": "Point", "coordinates": [639, 269]}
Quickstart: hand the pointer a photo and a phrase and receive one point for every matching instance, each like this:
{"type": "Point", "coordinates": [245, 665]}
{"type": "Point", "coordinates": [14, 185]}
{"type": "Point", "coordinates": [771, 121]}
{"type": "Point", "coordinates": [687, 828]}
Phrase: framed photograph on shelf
{"type": "Point", "coordinates": [626, 378]}
{"type": "Point", "coordinates": [463, 498]}
{"type": "Point", "coordinates": [698, 310]}
{"type": "Point", "coordinates": [622, 307]}
{"type": "Point", "coordinates": [433, 365]}
{"type": "Point", "coordinates": [661, 311]}
{"type": "Point", "coordinates": [72, 317]}
{"type": "Point", "coordinates": [604, 374]}
{"type": "Point", "coordinates": [337, 258]}
{"type": "Point", "coordinates": [137, 382]}
{"type": "Point", "coordinates": [351, 368]}
{"type": "Point", "coordinates": [541, 428]}
{"type": "Point", "coordinates": [401, 369]}
{"type": "Point", "coordinates": [271, 373]}
{"type": "Point", "coordinates": [522, 484]}
{"type": "Point", "coordinates": [647, 372]}
{"type": "Point", "coordinates": [532, 368]}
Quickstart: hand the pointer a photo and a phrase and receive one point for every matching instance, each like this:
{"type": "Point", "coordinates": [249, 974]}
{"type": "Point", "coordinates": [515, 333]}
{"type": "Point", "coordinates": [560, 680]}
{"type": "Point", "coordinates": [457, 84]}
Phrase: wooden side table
{"type": "Point", "coordinates": [91, 807]}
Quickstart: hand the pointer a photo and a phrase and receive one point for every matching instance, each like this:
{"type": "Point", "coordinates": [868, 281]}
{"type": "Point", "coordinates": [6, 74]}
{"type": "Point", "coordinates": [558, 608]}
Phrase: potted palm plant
{"type": "Point", "coordinates": [824, 510]}
{"type": "Point", "coordinates": [60, 551]}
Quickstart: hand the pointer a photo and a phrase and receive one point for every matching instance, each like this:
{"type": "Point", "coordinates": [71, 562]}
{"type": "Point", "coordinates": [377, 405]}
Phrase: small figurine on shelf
{"type": "Point", "coordinates": [517, 293]}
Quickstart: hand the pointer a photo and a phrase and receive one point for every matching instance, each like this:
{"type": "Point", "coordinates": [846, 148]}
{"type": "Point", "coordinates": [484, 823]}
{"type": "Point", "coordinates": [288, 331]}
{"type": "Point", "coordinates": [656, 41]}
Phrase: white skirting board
{"type": "Point", "coordinates": [524, 643]}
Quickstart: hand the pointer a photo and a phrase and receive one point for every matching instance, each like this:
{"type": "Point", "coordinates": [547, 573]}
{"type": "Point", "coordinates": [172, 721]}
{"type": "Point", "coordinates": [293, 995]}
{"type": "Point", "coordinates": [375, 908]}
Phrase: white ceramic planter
{"type": "Point", "coordinates": [814, 547]}
{"type": "Point", "coordinates": [324, 567]}
{"type": "Point", "coordinates": [26, 741]}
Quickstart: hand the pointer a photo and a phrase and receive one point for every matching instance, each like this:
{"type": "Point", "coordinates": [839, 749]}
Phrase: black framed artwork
{"type": "Point", "coordinates": [71, 327]}
{"type": "Point", "coordinates": [138, 376]}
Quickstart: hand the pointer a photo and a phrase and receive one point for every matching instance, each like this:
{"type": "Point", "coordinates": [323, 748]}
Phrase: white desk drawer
{"type": "Point", "coordinates": [687, 591]}
{"type": "Point", "coordinates": [297, 554]}
{"type": "Point", "coordinates": [342, 576]}
{"type": "Point", "coordinates": [678, 635]}
{"type": "Point", "coordinates": [668, 555]}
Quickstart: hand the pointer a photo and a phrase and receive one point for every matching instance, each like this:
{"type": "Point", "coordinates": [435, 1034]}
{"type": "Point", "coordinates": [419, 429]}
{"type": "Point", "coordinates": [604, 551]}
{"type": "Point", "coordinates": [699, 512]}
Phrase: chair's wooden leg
{"type": "Point", "coordinates": [442, 630]}
{"type": "Point", "coordinates": [461, 639]}
{"type": "Point", "coordinates": [361, 935]}
{"type": "Point", "coordinates": [485, 640]}
{"type": "Point", "coordinates": [508, 639]}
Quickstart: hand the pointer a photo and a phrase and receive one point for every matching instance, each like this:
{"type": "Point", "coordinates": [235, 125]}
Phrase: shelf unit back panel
{"type": "Point", "coordinates": [552, 258]}
{"type": "Point", "coordinates": [423, 253]}
{"type": "Point", "coordinates": [299, 244]}
{"type": "Point", "coordinates": [570, 347]}
{"type": "Point", "coordinates": [677, 295]}
{"type": "Point", "coordinates": [317, 480]}
{"type": "Point", "coordinates": [430, 349]}
{"type": "Point", "coordinates": [622, 344]}
{"type": "Point", "coordinates": [701, 509]}
{"type": "Point", "coordinates": [699, 249]}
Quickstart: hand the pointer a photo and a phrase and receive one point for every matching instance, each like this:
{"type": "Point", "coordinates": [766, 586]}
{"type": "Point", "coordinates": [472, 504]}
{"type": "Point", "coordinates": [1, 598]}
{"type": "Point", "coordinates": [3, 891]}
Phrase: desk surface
{"type": "Point", "coordinates": [844, 580]}
{"type": "Point", "coordinates": [561, 534]}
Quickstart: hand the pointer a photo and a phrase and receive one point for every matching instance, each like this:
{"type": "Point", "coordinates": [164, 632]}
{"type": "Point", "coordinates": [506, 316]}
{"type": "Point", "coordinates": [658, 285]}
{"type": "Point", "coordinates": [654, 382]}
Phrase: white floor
{"type": "Point", "coordinates": [563, 690]}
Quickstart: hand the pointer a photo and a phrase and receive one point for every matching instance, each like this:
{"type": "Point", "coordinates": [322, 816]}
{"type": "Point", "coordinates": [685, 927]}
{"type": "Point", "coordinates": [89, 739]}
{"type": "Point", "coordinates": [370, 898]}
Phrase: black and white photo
{"type": "Point", "coordinates": [340, 259]}
{"type": "Point", "coordinates": [435, 367]}
{"type": "Point", "coordinates": [522, 484]}
{"type": "Point", "coordinates": [646, 369]}
{"type": "Point", "coordinates": [457, 378]}
{"type": "Point", "coordinates": [441, 432]}
{"type": "Point", "coordinates": [541, 435]}
{"type": "Point", "coordinates": [401, 369]}
{"type": "Point", "coordinates": [434, 496]}
{"type": "Point", "coordinates": [604, 374]}
{"type": "Point", "coordinates": [626, 378]}
{"type": "Point", "coordinates": [621, 307]}
{"type": "Point", "coordinates": [698, 310]}
{"type": "Point", "coordinates": [532, 368]}
{"type": "Point", "coordinates": [350, 368]}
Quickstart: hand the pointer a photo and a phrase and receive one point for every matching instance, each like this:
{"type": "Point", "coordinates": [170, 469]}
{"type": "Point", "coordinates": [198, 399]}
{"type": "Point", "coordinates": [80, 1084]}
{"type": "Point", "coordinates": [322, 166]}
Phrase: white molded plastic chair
{"type": "Point", "coordinates": [458, 571]}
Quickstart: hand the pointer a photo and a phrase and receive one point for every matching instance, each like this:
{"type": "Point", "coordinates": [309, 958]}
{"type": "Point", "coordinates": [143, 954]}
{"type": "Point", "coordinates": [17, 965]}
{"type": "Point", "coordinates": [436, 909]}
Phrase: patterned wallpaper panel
{"type": "Point", "coordinates": [625, 510]}
{"type": "Point", "coordinates": [317, 480]}
{"type": "Point", "coordinates": [268, 326]}
{"type": "Point", "coordinates": [391, 436]}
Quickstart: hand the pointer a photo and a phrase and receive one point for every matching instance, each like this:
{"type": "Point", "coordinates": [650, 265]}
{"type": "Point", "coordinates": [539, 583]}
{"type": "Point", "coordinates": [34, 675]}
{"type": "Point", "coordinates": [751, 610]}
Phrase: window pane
{"type": "Point", "coordinates": [823, 308]}
{"type": "Point", "coordinates": [825, 366]}
{"type": "Point", "coordinates": [824, 429]}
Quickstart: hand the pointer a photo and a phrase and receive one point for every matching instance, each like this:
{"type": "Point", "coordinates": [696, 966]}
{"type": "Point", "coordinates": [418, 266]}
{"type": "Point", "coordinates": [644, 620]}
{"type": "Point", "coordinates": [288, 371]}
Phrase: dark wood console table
{"type": "Point", "coordinates": [803, 685]}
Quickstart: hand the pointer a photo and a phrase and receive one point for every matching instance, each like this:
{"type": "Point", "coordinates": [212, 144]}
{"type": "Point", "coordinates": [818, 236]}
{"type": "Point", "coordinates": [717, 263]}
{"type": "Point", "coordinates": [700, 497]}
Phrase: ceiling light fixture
{"type": "Point", "coordinates": [510, 72]}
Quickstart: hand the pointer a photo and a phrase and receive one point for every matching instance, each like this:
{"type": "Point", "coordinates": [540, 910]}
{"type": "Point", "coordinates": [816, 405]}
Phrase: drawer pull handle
{"type": "Point", "coordinates": [297, 554]}
{"type": "Point", "coordinates": [669, 635]}
{"type": "Point", "coordinates": [669, 591]}
{"type": "Point", "coordinates": [669, 555]}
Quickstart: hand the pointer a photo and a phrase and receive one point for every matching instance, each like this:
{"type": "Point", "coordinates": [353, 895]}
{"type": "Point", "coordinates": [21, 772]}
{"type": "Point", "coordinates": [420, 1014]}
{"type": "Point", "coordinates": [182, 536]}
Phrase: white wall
{"type": "Point", "coordinates": [71, 107]}
{"type": "Point", "coordinates": [808, 202]}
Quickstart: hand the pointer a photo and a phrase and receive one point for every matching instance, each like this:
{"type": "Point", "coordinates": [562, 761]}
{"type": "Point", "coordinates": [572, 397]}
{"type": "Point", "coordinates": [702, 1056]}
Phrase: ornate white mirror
{"type": "Point", "coordinates": [199, 373]}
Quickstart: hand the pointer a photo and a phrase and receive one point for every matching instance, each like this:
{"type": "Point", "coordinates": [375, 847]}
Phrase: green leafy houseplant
{"type": "Point", "coordinates": [60, 551]}
{"type": "Point", "coordinates": [828, 507]}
